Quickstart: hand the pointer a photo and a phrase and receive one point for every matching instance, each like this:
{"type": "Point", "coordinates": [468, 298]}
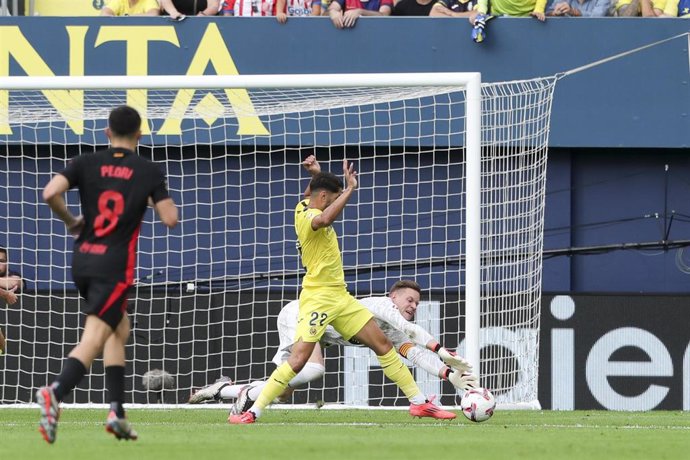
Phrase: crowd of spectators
{"type": "Point", "coordinates": [344, 13]}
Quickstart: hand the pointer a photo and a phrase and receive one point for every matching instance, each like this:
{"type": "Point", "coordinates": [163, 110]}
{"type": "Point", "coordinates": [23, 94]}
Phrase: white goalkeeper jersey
{"type": "Point", "coordinates": [391, 322]}
{"type": "Point", "coordinates": [400, 331]}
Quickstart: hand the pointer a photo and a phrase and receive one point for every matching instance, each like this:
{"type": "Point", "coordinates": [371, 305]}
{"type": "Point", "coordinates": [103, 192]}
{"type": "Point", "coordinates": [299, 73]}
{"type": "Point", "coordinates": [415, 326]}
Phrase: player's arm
{"type": "Point", "coordinates": [167, 212]}
{"type": "Point", "coordinates": [312, 166]}
{"type": "Point", "coordinates": [431, 363]}
{"type": "Point", "coordinates": [331, 213]}
{"type": "Point", "coordinates": [161, 201]}
{"type": "Point", "coordinates": [386, 312]}
{"type": "Point", "coordinates": [53, 196]}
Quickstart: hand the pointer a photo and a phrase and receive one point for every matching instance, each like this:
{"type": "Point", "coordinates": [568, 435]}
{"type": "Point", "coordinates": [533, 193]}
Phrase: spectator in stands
{"type": "Point", "coordinates": [10, 283]}
{"type": "Point", "coordinates": [285, 8]}
{"type": "Point", "coordinates": [455, 8]}
{"type": "Point", "coordinates": [644, 8]}
{"type": "Point", "coordinates": [518, 8]}
{"type": "Point", "coordinates": [413, 8]}
{"type": "Point", "coordinates": [677, 8]}
{"type": "Point", "coordinates": [344, 13]}
{"type": "Point", "coordinates": [435, 8]}
{"type": "Point", "coordinates": [579, 8]}
{"type": "Point", "coordinates": [247, 8]}
{"type": "Point", "coordinates": [179, 8]}
{"type": "Point", "coordinates": [9, 280]}
{"type": "Point", "coordinates": [10, 297]}
{"type": "Point", "coordinates": [131, 8]}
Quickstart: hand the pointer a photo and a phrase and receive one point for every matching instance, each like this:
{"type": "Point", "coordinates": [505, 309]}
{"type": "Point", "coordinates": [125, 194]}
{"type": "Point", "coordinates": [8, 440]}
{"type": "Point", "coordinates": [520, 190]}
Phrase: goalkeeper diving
{"type": "Point", "coordinates": [394, 315]}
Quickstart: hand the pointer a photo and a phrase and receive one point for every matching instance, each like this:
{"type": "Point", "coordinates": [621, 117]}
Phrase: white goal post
{"type": "Point", "coordinates": [452, 195]}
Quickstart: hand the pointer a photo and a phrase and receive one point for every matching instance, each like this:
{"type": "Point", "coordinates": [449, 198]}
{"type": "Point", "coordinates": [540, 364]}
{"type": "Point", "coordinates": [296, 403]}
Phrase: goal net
{"type": "Point", "coordinates": [208, 292]}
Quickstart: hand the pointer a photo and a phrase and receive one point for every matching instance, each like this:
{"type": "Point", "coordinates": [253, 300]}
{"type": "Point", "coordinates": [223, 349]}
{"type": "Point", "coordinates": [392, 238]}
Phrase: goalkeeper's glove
{"type": "Point", "coordinates": [463, 381]}
{"type": "Point", "coordinates": [453, 360]}
{"type": "Point", "coordinates": [478, 32]}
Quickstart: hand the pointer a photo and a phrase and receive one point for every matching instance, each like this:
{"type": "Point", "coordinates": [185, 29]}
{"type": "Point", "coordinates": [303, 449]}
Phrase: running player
{"type": "Point", "coordinates": [115, 186]}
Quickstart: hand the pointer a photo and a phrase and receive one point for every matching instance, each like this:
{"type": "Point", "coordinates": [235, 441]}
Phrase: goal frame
{"type": "Point", "coordinates": [471, 81]}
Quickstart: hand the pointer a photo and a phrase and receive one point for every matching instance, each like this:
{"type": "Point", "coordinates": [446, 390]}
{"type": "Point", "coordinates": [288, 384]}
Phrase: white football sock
{"type": "Point", "coordinates": [310, 372]}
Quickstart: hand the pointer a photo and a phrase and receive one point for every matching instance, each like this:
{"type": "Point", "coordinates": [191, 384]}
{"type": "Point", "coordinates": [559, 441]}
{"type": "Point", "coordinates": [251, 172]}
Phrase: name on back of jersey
{"type": "Point", "coordinates": [117, 172]}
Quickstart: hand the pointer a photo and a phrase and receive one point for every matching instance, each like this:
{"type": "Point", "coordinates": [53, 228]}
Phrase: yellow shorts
{"type": "Point", "coordinates": [323, 306]}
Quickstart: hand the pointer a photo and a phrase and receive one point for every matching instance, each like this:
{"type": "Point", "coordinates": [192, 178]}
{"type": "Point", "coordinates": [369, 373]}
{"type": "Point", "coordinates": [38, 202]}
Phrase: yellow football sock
{"type": "Point", "coordinates": [395, 370]}
{"type": "Point", "coordinates": [275, 385]}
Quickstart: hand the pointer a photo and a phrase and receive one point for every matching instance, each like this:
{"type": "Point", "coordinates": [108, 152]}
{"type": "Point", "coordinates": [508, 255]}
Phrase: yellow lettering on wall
{"type": "Point", "coordinates": [137, 49]}
{"type": "Point", "coordinates": [68, 103]}
{"type": "Point", "coordinates": [212, 50]}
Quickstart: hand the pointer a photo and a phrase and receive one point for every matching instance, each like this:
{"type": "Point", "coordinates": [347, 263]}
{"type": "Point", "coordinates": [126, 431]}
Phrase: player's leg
{"type": "Point", "coordinates": [114, 361]}
{"type": "Point", "coordinates": [2, 342]}
{"type": "Point", "coordinates": [246, 394]}
{"type": "Point", "coordinates": [73, 370]}
{"type": "Point", "coordinates": [276, 383]}
{"type": "Point", "coordinates": [317, 308]}
{"type": "Point", "coordinates": [287, 331]}
{"type": "Point", "coordinates": [314, 369]}
{"type": "Point", "coordinates": [372, 336]}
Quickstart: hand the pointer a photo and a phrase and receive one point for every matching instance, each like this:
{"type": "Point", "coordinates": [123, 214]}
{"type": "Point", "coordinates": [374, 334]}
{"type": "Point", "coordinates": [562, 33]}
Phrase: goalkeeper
{"type": "Point", "coordinates": [393, 314]}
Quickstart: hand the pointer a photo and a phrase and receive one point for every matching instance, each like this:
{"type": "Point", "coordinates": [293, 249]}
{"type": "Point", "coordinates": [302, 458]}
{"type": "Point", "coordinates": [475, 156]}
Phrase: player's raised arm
{"type": "Point", "coordinates": [312, 166]}
{"type": "Point", "coordinates": [333, 210]}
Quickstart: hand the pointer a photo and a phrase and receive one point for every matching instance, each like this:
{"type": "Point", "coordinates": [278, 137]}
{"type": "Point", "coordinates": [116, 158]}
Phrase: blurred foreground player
{"type": "Point", "coordinates": [115, 186]}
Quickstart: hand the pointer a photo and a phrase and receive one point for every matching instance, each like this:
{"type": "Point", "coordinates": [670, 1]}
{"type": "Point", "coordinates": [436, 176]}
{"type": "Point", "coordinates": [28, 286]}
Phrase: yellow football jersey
{"type": "Point", "coordinates": [319, 250]}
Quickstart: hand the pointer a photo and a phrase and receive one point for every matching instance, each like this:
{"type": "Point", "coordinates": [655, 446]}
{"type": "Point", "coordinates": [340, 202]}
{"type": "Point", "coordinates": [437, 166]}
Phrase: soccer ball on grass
{"type": "Point", "coordinates": [478, 404]}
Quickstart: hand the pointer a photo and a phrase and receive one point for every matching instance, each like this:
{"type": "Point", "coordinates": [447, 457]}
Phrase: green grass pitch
{"type": "Point", "coordinates": [352, 434]}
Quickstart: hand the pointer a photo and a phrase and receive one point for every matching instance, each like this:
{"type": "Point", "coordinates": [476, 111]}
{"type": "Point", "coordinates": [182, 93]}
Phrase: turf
{"type": "Point", "coordinates": [355, 434]}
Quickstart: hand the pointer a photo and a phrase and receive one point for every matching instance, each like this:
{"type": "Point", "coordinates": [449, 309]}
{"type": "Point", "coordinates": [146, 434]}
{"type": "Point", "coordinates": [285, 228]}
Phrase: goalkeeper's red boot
{"type": "Point", "coordinates": [50, 413]}
{"type": "Point", "coordinates": [429, 409]}
{"type": "Point", "coordinates": [120, 428]}
{"type": "Point", "coordinates": [242, 419]}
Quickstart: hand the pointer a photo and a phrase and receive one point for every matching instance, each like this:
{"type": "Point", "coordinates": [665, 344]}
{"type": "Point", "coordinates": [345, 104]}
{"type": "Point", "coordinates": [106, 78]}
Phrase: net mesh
{"type": "Point", "coordinates": [208, 293]}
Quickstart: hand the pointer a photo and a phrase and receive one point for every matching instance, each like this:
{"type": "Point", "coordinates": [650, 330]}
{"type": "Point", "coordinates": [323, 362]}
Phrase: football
{"type": "Point", "coordinates": [478, 404]}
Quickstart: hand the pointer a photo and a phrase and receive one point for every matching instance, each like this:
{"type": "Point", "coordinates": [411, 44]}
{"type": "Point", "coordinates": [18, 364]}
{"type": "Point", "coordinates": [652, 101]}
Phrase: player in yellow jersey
{"type": "Point", "coordinates": [324, 299]}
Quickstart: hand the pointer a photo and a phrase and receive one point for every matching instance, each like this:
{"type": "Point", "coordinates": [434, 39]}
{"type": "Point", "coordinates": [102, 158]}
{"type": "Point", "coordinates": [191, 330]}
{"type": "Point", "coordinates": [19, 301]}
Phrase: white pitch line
{"type": "Point", "coordinates": [497, 425]}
